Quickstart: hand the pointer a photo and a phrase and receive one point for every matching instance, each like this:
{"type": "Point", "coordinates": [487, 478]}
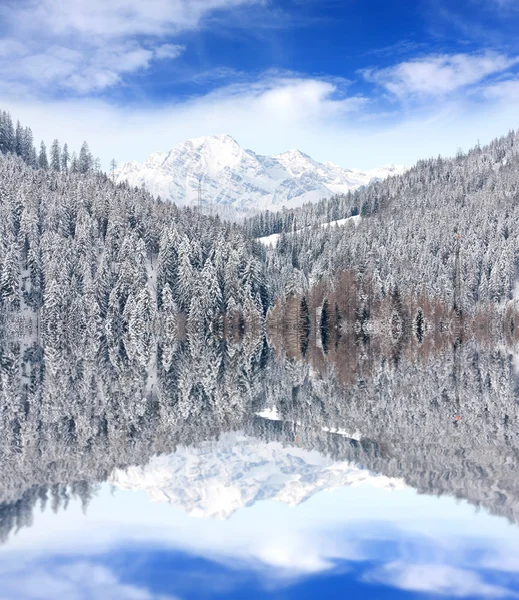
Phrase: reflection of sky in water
{"type": "Point", "coordinates": [272, 453]}
{"type": "Point", "coordinates": [362, 540]}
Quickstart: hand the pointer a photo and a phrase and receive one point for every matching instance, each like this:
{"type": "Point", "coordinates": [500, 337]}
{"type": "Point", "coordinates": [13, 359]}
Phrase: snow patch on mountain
{"type": "Point", "coordinates": [272, 239]}
{"type": "Point", "coordinates": [233, 177]}
{"type": "Point", "coordinates": [216, 479]}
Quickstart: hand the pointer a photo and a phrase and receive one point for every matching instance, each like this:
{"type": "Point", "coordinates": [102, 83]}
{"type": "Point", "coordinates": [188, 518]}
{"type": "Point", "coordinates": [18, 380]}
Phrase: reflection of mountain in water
{"type": "Point", "coordinates": [447, 425]}
{"type": "Point", "coordinates": [217, 478]}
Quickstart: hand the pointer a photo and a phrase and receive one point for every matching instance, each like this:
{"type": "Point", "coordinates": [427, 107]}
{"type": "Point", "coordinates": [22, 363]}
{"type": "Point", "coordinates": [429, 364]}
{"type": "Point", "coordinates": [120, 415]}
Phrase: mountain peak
{"type": "Point", "coordinates": [295, 154]}
{"type": "Point", "coordinates": [232, 176]}
{"type": "Point", "coordinates": [222, 138]}
{"type": "Point", "coordinates": [297, 163]}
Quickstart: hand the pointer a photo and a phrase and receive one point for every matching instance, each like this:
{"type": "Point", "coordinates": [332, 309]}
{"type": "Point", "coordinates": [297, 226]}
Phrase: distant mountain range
{"type": "Point", "coordinates": [232, 176]}
{"type": "Point", "coordinates": [216, 479]}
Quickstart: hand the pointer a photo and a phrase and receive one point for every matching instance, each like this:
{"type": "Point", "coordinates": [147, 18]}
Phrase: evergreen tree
{"type": "Point", "coordinates": [43, 161]}
{"type": "Point", "coordinates": [28, 151]}
{"type": "Point", "coordinates": [9, 277]}
{"type": "Point", "coordinates": [74, 166]}
{"type": "Point", "coordinates": [65, 158]}
{"type": "Point", "coordinates": [7, 135]}
{"type": "Point", "coordinates": [186, 277]}
{"type": "Point", "coordinates": [305, 325]}
{"type": "Point", "coordinates": [325, 324]}
{"type": "Point", "coordinates": [113, 166]}
{"type": "Point", "coordinates": [85, 161]}
{"type": "Point", "coordinates": [19, 141]}
{"type": "Point", "coordinates": [55, 156]}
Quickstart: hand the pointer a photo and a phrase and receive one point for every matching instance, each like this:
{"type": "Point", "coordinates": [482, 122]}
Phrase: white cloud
{"type": "Point", "coordinates": [271, 114]}
{"type": "Point", "coordinates": [119, 18]}
{"type": "Point", "coordinates": [506, 91]}
{"type": "Point", "coordinates": [82, 71]}
{"type": "Point", "coordinates": [86, 46]}
{"type": "Point", "coordinates": [440, 74]}
{"type": "Point", "coordinates": [168, 51]}
{"type": "Point", "coordinates": [504, 558]}
{"type": "Point", "coordinates": [74, 581]}
{"type": "Point", "coordinates": [12, 48]}
{"type": "Point", "coordinates": [436, 579]}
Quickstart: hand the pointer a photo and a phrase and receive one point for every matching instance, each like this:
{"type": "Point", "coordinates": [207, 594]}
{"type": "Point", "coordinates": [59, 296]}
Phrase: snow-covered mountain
{"type": "Point", "coordinates": [217, 478]}
{"type": "Point", "coordinates": [233, 176]}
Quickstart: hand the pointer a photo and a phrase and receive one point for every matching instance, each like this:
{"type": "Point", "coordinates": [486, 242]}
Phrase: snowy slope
{"type": "Point", "coordinates": [232, 176]}
{"type": "Point", "coordinates": [218, 478]}
{"type": "Point", "coordinates": [272, 239]}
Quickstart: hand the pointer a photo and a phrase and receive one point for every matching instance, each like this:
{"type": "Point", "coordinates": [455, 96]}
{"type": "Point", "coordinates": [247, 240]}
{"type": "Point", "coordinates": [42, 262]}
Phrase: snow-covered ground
{"type": "Point", "coordinates": [340, 222]}
{"type": "Point", "coordinates": [272, 240]}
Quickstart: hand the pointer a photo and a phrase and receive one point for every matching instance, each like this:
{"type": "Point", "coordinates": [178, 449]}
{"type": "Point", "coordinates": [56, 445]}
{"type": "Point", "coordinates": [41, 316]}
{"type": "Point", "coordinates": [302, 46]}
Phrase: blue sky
{"type": "Point", "coordinates": [357, 82]}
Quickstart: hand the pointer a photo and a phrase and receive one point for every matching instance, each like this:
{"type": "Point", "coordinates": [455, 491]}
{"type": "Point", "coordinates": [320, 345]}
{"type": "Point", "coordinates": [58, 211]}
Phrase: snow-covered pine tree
{"type": "Point", "coordinates": [85, 160]}
{"type": "Point", "coordinates": [55, 156]}
{"type": "Point", "coordinates": [43, 161]}
{"type": "Point", "coordinates": [65, 158]}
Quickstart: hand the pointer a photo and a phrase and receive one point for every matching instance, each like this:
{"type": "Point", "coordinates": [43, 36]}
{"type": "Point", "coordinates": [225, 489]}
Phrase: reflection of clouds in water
{"type": "Point", "coordinates": [80, 580]}
{"type": "Point", "coordinates": [505, 561]}
{"type": "Point", "coordinates": [436, 579]}
{"type": "Point", "coordinates": [276, 541]}
{"type": "Point", "coordinates": [159, 574]}
{"type": "Point", "coordinates": [281, 546]}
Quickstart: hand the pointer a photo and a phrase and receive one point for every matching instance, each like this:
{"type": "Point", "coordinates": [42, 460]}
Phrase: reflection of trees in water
{"type": "Point", "coordinates": [445, 422]}
{"type": "Point", "coordinates": [67, 421]}
{"type": "Point", "coordinates": [18, 514]}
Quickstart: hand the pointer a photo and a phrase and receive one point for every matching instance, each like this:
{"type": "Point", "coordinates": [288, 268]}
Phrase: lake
{"type": "Point", "coordinates": [232, 470]}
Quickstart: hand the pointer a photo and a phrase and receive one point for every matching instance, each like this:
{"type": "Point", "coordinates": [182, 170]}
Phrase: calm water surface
{"type": "Point", "coordinates": [210, 470]}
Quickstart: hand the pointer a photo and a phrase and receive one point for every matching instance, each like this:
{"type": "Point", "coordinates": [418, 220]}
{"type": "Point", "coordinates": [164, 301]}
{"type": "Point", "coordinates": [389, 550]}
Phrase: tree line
{"type": "Point", "coordinates": [19, 140]}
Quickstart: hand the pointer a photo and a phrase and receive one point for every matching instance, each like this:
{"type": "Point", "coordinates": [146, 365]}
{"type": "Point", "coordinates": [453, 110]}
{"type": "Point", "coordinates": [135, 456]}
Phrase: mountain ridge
{"type": "Point", "coordinates": [232, 176]}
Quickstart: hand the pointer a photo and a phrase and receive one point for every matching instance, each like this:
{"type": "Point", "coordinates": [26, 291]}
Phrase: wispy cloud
{"type": "Point", "coordinates": [506, 91]}
{"type": "Point", "coordinates": [438, 579]}
{"type": "Point", "coordinates": [85, 46]}
{"type": "Point", "coordinates": [78, 70]}
{"type": "Point", "coordinates": [74, 581]}
{"type": "Point", "coordinates": [270, 113]}
{"type": "Point", "coordinates": [439, 75]}
{"type": "Point", "coordinates": [118, 18]}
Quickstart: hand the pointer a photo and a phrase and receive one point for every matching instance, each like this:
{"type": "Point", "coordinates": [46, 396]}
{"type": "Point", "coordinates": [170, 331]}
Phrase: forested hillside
{"type": "Point", "coordinates": [408, 231]}
{"type": "Point", "coordinates": [82, 258]}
